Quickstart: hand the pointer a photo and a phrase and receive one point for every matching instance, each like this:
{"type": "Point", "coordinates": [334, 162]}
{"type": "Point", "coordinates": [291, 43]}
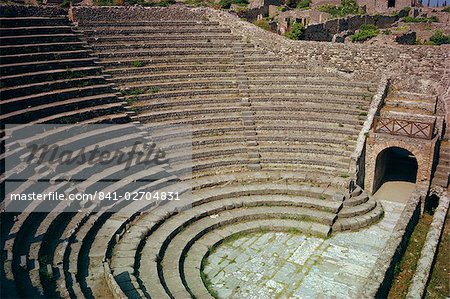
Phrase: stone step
{"type": "Point", "coordinates": [39, 38]}
{"type": "Point", "coordinates": [43, 56]}
{"type": "Point", "coordinates": [352, 211]}
{"type": "Point", "coordinates": [149, 44]}
{"type": "Point", "coordinates": [36, 66]}
{"type": "Point", "coordinates": [201, 60]}
{"type": "Point", "coordinates": [274, 67]}
{"type": "Point", "coordinates": [413, 106]}
{"type": "Point", "coordinates": [360, 221]}
{"type": "Point", "coordinates": [84, 113]}
{"type": "Point", "coordinates": [163, 53]}
{"type": "Point", "coordinates": [49, 75]}
{"type": "Point", "coordinates": [42, 47]}
{"type": "Point", "coordinates": [155, 87]}
{"type": "Point", "coordinates": [150, 31]}
{"type": "Point", "coordinates": [356, 200]}
{"type": "Point", "coordinates": [33, 21]}
{"type": "Point", "coordinates": [35, 30]}
{"type": "Point", "coordinates": [184, 37]}
{"type": "Point", "coordinates": [138, 23]}
{"type": "Point", "coordinates": [51, 86]}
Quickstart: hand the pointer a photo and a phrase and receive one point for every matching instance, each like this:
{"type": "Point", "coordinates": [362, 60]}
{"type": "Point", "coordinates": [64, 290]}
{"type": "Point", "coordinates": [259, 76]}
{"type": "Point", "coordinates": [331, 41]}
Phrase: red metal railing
{"type": "Point", "coordinates": [393, 126]}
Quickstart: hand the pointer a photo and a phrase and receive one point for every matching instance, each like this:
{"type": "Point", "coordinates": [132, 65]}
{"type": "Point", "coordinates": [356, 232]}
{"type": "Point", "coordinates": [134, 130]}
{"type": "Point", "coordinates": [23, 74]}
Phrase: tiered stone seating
{"type": "Point", "coordinates": [237, 98]}
{"type": "Point", "coordinates": [156, 243]}
{"type": "Point", "coordinates": [259, 145]}
{"type": "Point", "coordinates": [48, 76]}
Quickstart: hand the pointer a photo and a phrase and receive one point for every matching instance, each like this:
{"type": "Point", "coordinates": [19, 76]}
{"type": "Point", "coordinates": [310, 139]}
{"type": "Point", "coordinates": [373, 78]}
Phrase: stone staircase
{"type": "Point", "coordinates": [442, 173]}
{"type": "Point", "coordinates": [410, 106]}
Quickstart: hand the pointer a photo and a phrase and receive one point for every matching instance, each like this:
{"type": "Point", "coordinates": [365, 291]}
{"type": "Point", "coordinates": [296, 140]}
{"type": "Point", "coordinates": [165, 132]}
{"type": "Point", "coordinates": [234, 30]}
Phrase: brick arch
{"type": "Point", "coordinates": [421, 152]}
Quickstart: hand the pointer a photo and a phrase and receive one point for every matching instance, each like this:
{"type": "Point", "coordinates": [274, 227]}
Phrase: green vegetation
{"type": "Point", "coordinates": [347, 7]}
{"type": "Point", "coordinates": [438, 287]}
{"type": "Point", "coordinates": [439, 38]}
{"type": "Point", "coordinates": [65, 4]}
{"type": "Point", "coordinates": [137, 63]}
{"type": "Point", "coordinates": [299, 4]}
{"type": "Point", "coordinates": [227, 3]}
{"type": "Point", "coordinates": [363, 114]}
{"type": "Point", "coordinates": [405, 268]}
{"type": "Point", "coordinates": [447, 9]}
{"type": "Point", "coordinates": [295, 32]}
{"type": "Point", "coordinates": [104, 2]}
{"type": "Point", "coordinates": [154, 89]}
{"type": "Point", "coordinates": [409, 19]}
{"type": "Point", "coordinates": [365, 32]}
{"type": "Point", "coordinates": [132, 92]}
{"type": "Point", "coordinates": [402, 13]}
{"type": "Point", "coordinates": [387, 32]}
{"type": "Point", "coordinates": [199, 3]}
{"type": "Point", "coordinates": [263, 23]}
{"type": "Point", "coordinates": [303, 4]}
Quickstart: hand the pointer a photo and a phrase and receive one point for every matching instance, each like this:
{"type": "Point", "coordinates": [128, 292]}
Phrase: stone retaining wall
{"type": "Point", "coordinates": [420, 279]}
{"type": "Point", "coordinates": [357, 167]}
{"type": "Point", "coordinates": [325, 31]}
{"type": "Point", "coordinates": [378, 284]}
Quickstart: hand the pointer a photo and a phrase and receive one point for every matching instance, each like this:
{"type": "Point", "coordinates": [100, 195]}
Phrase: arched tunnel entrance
{"type": "Point", "coordinates": [394, 164]}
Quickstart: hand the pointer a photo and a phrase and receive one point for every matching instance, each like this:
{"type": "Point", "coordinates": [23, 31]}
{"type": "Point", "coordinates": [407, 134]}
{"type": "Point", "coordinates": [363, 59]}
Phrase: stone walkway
{"type": "Point", "coordinates": [289, 265]}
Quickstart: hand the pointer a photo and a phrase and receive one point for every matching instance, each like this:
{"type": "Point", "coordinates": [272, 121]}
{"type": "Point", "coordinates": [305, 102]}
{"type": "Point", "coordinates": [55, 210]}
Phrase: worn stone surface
{"type": "Point", "coordinates": [271, 264]}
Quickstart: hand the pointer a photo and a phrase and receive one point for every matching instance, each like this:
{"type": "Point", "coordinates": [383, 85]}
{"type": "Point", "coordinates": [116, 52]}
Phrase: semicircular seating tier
{"type": "Point", "coordinates": [270, 141]}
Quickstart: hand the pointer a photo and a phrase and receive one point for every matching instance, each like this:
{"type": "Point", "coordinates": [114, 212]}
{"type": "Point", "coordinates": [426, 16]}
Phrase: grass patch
{"type": "Point", "coordinates": [208, 284]}
{"type": "Point", "coordinates": [347, 7]}
{"type": "Point", "coordinates": [438, 286]}
{"type": "Point", "coordinates": [199, 3]}
{"type": "Point", "coordinates": [154, 90]}
{"type": "Point", "coordinates": [263, 23]}
{"type": "Point", "coordinates": [362, 114]}
{"type": "Point", "coordinates": [405, 269]}
{"type": "Point", "coordinates": [227, 3]}
{"type": "Point", "coordinates": [439, 38]}
{"type": "Point", "coordinates": [132, 92]}
{"type": "Point", "coordinates": [303, 4]}
{"type": "Point", "coordinates": [65, 4]}
{"type": "Point", "coordinates": [130, 101]}
{"type": "Point", "coordinates": [295, 32]}
{"type": "Point", "coordinates": [365, 32]}
{"type": "Point", "coordinates": [409, 19]}
{"type": "Point", "coordinates": [137, 63]}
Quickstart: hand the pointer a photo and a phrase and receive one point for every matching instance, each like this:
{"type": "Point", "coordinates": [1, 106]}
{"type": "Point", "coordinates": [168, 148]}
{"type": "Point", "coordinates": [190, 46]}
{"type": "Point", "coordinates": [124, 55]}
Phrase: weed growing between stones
{"type": "Point", "coordinates": [365, 32]}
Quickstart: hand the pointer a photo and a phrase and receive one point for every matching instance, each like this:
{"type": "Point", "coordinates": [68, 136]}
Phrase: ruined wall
{"type": "Point", "coordinates": [325, 31]}
{"type": "Point", "coordinates": [373, 6]}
